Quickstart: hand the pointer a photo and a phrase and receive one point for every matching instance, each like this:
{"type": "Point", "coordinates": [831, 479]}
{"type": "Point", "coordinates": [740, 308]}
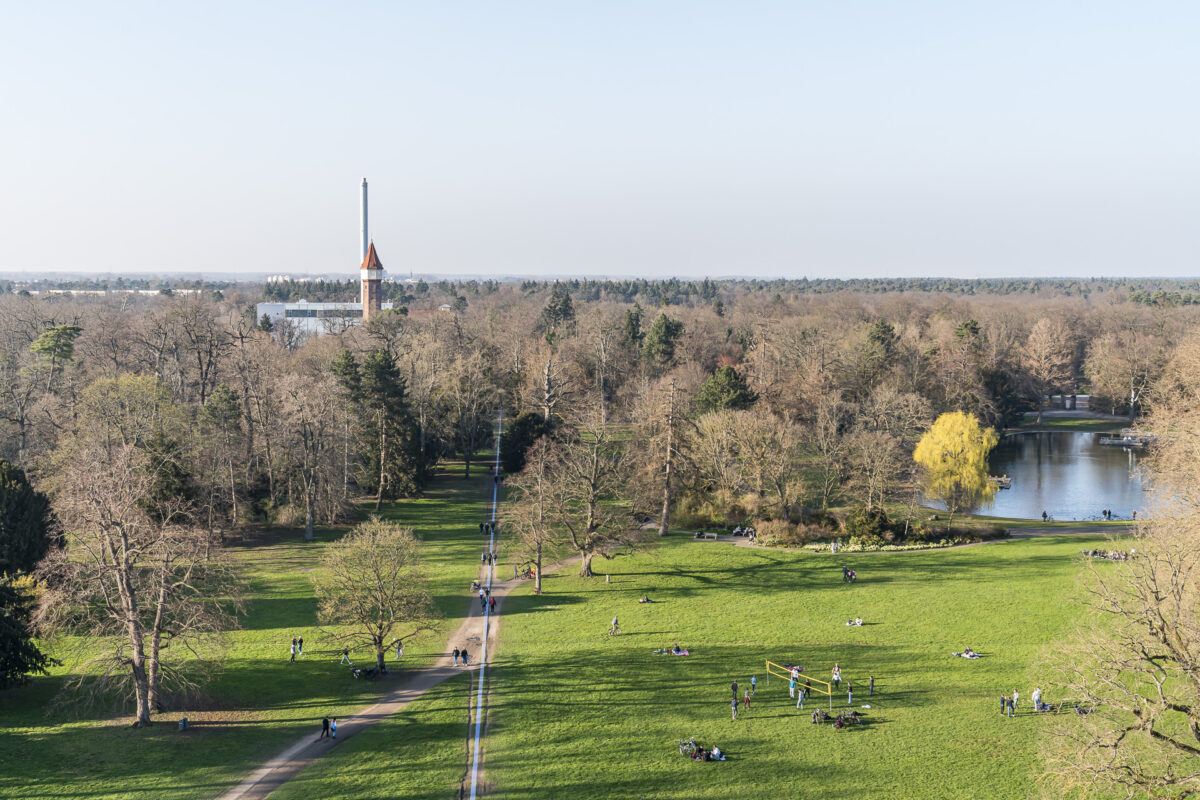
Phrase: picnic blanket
{"type": "Point", "coordinates": [669, 652]}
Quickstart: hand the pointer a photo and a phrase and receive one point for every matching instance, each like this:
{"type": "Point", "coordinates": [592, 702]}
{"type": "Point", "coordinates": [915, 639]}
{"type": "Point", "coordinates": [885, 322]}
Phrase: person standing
{"type": "Point", "coordinates": [300, 646]}
{"type": "Point", "coordinates": [324, 729]}
{"type": "Point", "coordinates": [1016, 696]}
{"type": "Point", "coordinates": [346, 657]}
{"type": "Point", "coordinates": [614, 628]}
{"type": "Point", "coordinates": [792, 686]}
{"type": "Point", "coordinates": [849, 693]}
{"type": "Point", "coordinates": [293, 650]}
{"type": "Point", "coordinates": [753, 684]}
{"type": "Point", "coordinates": [333, 728]}
{"type": "Point", "coordinates": [399, 649]}
{"type": "Point", "coordinates": [1037, 698]}
{"type": "Point", "coordinates": [746, 701]}
{"type": "Point", "coordinates": [871, 687]}
{"type": "Point", "coordinates": [455, 656]}
{"type": "Point", "coordinates": [734, 688]}
{"type": "Point", "coordinates": [837, 677]}
{"type": "Point", "coordinates": [734, 706]}
{"type": "Point", "coordinates": [1003, 705]}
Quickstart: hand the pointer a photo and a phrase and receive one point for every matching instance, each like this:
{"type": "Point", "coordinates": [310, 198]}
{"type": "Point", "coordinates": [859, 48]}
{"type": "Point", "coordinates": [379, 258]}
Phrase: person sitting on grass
{"type": "Point", "coordinates": [675, 649]}
{"type": "Point", "coordinates": [645, 599]}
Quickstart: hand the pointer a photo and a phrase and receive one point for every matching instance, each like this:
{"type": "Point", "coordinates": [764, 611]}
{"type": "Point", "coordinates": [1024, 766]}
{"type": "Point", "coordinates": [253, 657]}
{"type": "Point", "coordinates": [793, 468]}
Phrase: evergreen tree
{"type": "Point", "coordinates": [519, 435]}
{"type": "Point", "coordinates": [661, 339]}
{"type": "Point", "coordinates": [26, 521]}
{"type": "Point", "coordinates": [393, 465]}
{"type": "Point", "coordinates": [19, 656]}
{"type": "Point", "coordinates": [725, 389]}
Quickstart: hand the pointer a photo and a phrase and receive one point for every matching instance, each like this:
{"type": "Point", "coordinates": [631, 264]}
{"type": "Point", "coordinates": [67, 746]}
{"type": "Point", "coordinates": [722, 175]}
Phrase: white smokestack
{"type": "Point", "coordinates": [362, 256]}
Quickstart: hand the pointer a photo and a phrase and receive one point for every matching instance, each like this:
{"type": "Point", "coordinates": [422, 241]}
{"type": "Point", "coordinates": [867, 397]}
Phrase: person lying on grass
{"type": "Point", "coordinates": [857, 622]}
{"type": "Point", "coordinates": [645, 599]}
{"type": "Point", "coordinates": [968, 653]}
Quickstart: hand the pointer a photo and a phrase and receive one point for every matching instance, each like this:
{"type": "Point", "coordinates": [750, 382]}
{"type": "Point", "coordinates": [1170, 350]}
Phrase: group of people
{"type": "Point", "coordinates": [848, 575]}
{"type": "Point", "coordinates": [456, 654]}
{"type": "Point", "coordinates": [966, 653]}
{"type": "Point", "coordinates": [1009, 703]}
{"type": "Point", "coordinates": [487, 528]}
{"type": "Point", "coordinates": [328, 729]}
{"type": "Point", "coordinates": [297, 647]}
{"type": "Point", "coordinates": [488, 557]}
{"type": "Point", "coordinates": [856, 622]}
{"type": "Point", "coordinates": [1111, 555]}
{"type": "Point", "coordinates": [486, 601]}
{"type": "Point", "coordinates": [745, 531]}
{"type": "Point", "coordinates": [1108, 514]}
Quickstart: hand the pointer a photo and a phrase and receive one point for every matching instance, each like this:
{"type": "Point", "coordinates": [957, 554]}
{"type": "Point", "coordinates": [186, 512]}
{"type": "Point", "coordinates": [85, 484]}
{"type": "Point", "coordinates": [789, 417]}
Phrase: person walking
{"type": "Point", "coordinates": [300, 646]}
{"type": "Point", "coordinates": [324, 729]}
{"type": "Point", "coordinates": [346, 657]}
{"type": "Point", "coordinates": [492, 605]}
{"type": "Point", "coordinates": [1016, 696]}
{"type": "Point", "coordinates": [849, 693]}
{"type": "Point", "coordinates": [483, 557]}
{"type": "Point", "coordinates": [454, 655]}
{"type": "Point", "coordinates": [734, 688]}
{"type": "Point", "coordinates": [293, 650]}
{"type": "Point", "coordinates": [482, 600]}
{"type": "Point", "coordinates": [746, 701]}
{"type": "Point", "coordinates": [464, 656]}
{"type": "Point", "coordinates": [753, 684]}
{"type": "Point", "coordinates": [792, 686]}
{"type": "Point", "coordinates": [800, 698]}
{"type": "Point", "coordinates": [733, 704]}
{"type": "Point", "coordinates": [333, 728]}
{"type": "Point", "coordinates": [837, 677]}
{"type": "Point", "coordinates": [871, 687]}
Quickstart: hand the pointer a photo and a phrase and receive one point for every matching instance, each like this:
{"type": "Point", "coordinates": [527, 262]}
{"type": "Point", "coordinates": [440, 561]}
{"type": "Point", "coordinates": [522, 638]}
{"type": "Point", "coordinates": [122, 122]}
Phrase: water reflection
{"type": "Point", "coordinates": [1070, 476]}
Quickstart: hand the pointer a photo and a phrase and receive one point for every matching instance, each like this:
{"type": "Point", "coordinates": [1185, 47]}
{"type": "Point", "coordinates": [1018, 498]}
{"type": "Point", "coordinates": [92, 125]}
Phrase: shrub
{"type": "Point", "coordinates": [777, 533]}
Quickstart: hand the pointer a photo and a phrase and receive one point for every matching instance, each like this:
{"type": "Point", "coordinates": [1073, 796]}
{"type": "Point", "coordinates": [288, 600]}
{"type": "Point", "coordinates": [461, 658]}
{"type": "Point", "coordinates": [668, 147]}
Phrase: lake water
{"type": "Point", "coordinates": [1070, 476]}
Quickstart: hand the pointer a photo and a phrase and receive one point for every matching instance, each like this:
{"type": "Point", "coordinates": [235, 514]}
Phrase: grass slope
{"type": "Point", "coordinates": [576, 713]}
{"type": "Point", "coordinates": [259, 703]}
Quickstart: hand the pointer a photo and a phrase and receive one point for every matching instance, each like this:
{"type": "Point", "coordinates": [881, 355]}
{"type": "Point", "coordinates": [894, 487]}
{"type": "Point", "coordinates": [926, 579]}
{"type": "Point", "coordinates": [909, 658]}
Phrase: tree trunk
{"type": "Point", "coordinates": [664, 520]}
{"type": "Point", "coordinates": [382, 466]}
{"type": "Point", "coordinates": [585, 563]}
{"type": "Point", "coordinates": [308, 512]}
{"type": "Point", "coordinates": [380, 651]}
{"type": "Point", "coordinates": [233, 508]}
{"type": "Point", "coordinates": [537, 569]}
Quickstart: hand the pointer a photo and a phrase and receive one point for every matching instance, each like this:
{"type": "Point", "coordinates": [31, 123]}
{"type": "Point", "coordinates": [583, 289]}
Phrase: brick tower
{"type": "Point", "coordinates": [371, 275]}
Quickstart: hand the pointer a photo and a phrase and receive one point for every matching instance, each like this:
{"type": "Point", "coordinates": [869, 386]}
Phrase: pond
{"type": "Point", "coordinates": [1070, 476]}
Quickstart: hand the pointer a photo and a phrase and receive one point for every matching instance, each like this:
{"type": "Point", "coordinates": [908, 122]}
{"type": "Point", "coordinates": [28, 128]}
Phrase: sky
{"type": "Point", "coordinates": [652, 138]}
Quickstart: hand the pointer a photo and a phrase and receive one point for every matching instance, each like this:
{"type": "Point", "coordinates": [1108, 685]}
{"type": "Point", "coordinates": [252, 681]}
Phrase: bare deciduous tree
{"type": "Point", "coordinates": [371, 580]}
{"type": "Point", "coordinates": [133, 574]}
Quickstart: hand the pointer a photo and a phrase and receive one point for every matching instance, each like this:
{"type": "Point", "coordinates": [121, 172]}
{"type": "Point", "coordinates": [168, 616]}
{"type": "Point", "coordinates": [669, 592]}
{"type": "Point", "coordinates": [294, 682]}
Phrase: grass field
{"type": "Point", "coordinates": [578, 714]}
{"type": "Point", "coordinates": [259, 703]}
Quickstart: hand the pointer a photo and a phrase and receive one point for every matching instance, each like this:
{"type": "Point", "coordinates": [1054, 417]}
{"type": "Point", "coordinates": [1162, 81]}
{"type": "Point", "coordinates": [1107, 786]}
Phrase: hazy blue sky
{"type": "Point", "coordinates": [626, 138]}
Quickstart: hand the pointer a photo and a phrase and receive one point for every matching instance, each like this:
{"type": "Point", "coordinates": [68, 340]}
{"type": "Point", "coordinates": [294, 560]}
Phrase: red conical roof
{"type": "Point", "coordinates": [372, 260]}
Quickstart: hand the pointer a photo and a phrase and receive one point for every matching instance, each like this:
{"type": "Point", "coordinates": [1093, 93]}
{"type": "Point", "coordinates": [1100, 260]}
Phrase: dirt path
{"type": "Point", "coordinates": [285, 766]}
{"type": "Point", "coordinates": [300, 754]}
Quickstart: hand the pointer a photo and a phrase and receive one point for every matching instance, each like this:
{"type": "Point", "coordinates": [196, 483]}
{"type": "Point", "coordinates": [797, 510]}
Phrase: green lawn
{"type": "Point", "coordinates": [578, 714]}
{"type": "Point", "coordinates": [260, 702]}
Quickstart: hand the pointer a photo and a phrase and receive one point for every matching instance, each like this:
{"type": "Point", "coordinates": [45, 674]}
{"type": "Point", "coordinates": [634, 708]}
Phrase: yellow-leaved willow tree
{"type": "Point", "coordinates": [953, 456]}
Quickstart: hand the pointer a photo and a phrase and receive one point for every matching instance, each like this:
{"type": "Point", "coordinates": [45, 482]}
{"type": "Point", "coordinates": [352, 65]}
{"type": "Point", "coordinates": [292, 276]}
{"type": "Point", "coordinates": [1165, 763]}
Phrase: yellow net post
{"type": "Point", "coordinates": [819, 686]}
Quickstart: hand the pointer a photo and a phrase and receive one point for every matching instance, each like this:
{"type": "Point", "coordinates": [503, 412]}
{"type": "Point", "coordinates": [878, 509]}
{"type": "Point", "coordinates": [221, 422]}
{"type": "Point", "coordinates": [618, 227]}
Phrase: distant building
{"type": "Point", "coordinates": [317, 318]}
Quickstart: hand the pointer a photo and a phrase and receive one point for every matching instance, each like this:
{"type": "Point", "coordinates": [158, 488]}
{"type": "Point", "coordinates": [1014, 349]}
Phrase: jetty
{"type": "Point", "coordinates": [1129, 437]}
